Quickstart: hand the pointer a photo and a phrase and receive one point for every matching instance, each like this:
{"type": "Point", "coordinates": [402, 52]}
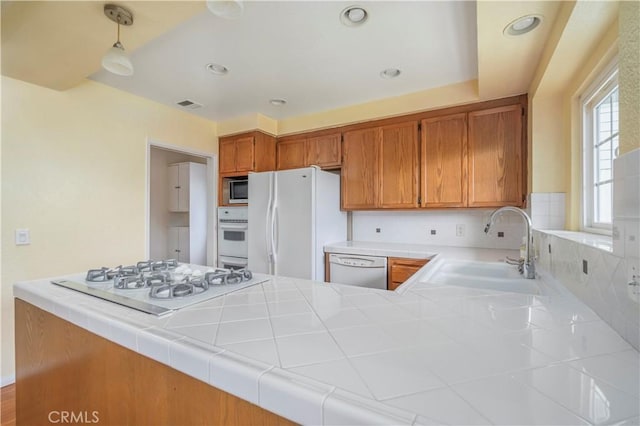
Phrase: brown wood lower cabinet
{"type": "Point", "coordinates": [65, 370]}
{"type": "Point", "coordinates": [400, 270]}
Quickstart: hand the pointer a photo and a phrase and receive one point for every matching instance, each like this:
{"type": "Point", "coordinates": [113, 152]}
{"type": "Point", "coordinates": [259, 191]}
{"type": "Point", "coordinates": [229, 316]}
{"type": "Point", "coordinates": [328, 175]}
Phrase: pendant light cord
{"type": "Point", "coordinates": [118, 18]}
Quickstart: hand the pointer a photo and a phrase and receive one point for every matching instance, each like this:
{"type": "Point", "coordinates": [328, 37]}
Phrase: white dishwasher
{"type": "Point", "coordinates": [362, 271]}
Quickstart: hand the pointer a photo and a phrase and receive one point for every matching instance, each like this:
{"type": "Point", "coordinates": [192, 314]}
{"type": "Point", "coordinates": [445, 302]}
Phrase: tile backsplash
{"type": "Point", "coordinates": [603, 287]}
{"type": "Point", "coordinates": [599, 274]}
{"type": "Point", "coordinates": [626, 205]}
{"type": "Point", "coordinates": [462, 228]}
{"type": "Point", "coordinates": [547, 210]}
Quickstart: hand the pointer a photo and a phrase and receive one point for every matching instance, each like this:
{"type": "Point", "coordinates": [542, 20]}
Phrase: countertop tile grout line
{"type": "Point", "coordinates": [273, 335]}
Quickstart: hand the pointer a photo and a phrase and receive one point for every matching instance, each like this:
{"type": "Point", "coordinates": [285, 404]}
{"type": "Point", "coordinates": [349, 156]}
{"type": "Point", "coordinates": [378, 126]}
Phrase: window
{"type": "Point", "coordinates": [600, 148]}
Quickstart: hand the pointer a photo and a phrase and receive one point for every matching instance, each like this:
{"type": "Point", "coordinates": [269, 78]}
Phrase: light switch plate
{"type": "Point", "coordinates": [22, 237]}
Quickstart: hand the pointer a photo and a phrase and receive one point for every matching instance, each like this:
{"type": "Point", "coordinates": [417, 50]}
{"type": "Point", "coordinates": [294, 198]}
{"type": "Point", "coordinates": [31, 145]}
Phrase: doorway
{"type": "Point", "coordinates": [163, 222]}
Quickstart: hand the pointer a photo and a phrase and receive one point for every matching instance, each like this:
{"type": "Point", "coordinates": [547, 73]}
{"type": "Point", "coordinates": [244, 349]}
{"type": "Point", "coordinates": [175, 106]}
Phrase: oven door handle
{"type": "Point", "coordinates": [237, 227]}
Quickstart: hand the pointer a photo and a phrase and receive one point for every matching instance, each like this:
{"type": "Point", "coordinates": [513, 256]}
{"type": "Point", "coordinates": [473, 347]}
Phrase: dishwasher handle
{"type": "Point", "coordinates": [358, 261]}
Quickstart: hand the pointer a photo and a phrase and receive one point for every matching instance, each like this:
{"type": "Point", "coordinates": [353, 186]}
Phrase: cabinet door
{"type": "Point", "coordinates": [360, 171]}
{"type": "Point", "coordinates": [183, 244]}
{"type": "Point", "coordinates": [399, 166]}
{"type": "Point", "coordinates": [291, 154]}
{"type": "Point", "coordinates": [227, 153]}
{"type": "Point", "coordinates": [325, 151]}
{"type": "Point", "coordinates": [244, 154]}
{"type": "Point", "coordinates": [183, 191]}
{"type": "Point", "coordinates": [173, 250]}
{"type": "Point", "coordinates": [495, 157]}
{"type": "Point", "coordinates": [264, 153]}
{"type": "Point", "coordinates": [444, 161]}
{"type": "Point", "coordinates": [174, 187]}
{"type": "Point", "coordinates": [179, 243]}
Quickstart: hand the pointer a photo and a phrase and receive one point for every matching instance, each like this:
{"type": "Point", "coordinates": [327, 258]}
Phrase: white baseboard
{"type": "Point", "coordinates": [7, 380]}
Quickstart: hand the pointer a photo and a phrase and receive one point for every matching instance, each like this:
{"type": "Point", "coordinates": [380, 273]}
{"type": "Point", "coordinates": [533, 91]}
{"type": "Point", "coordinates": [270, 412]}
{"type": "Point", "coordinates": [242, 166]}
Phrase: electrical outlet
{"type": "Point", "coordinates": [23, 237]}
{"type": "Point", "coordinates": [460, 230]}
{"type": "Point", "coordinates": [585, 267]}
{"type": "Point", "coordinates": [433, 232]}
{"type": "Point", "coordinates": [500, 234]}
{"type": "Point", "coordinates": [377, 230]}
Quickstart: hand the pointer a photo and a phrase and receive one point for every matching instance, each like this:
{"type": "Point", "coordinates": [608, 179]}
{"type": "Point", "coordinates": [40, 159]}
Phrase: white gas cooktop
{"type": "Point", "coordinates": [160, 287]}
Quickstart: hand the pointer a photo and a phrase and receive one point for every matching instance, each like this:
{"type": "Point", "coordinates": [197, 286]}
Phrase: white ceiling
{"type": "Point", "coordinates": [299, 51]}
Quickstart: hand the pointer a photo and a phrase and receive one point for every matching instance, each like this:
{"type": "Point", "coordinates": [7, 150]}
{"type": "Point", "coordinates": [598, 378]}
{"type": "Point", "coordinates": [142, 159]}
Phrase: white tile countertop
{"type": "Point", "coordinates": [417, 251]}
{"type": "Point", "coordinates": [426, 354]}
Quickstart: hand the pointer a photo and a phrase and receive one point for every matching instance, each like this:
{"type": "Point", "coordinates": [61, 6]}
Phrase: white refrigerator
{"type": "Point", "coordinates": [292, 215]}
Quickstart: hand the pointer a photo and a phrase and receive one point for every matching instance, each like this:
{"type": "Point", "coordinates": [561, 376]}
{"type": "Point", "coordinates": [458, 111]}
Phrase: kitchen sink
{"type": "Point", "coordinates": [496, 276]}
{"type": "Point", "coordinates": [480, 269]}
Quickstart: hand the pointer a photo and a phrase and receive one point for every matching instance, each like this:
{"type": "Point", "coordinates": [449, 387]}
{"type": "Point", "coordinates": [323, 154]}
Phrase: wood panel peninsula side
{"type": "Point", "coordinates": [63, 369]}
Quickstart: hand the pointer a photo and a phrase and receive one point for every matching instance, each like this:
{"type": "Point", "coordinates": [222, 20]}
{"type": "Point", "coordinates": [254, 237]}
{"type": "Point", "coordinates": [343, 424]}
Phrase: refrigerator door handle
{"type": "Point", "coordinates": [268, 221]}
{"type": "Point", "coordinates": [274, 237]}
{"type": "Point", "coordinates": [267, 234]}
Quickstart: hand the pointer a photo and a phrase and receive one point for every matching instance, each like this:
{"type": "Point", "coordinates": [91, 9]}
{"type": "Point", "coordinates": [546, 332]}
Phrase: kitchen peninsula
{"type": "Point", "coordinates": [317, 353]}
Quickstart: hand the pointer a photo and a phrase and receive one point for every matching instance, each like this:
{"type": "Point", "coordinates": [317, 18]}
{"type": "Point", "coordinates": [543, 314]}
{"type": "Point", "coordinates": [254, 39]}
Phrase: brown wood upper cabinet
{"type": "Point", "coordinates": [249, 152]}
{"type": "Point", "coordinates": [473, 159]}
{"type": "Point", "coordinates": [495, 157]}
{"type": "Point", "coordinates": [444, 161]}
{"type": "Point", "coordinates": [380, 167]}
{"type": "Point", "coordinates": [323, 151]}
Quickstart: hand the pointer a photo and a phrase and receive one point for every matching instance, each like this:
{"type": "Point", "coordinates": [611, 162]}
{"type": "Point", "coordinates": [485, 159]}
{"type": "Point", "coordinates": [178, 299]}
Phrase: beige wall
{"type": "Point", "coordinates": [73, 172]}
{"type": "Point", "coordinates": [248, 122]}
{"type": "Point", "coordinates": [629, 76]}
{"type": "Point", "coordinates": [439, 97]}
{"type": "Point", "coordinates": [555, 125]}
{"type": "Point", "coordinates": [548, 148]}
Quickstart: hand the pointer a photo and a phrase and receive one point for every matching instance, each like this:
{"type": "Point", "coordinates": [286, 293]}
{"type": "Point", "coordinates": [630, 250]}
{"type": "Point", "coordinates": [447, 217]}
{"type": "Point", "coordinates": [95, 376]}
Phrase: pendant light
{"type": "Point", "coordinates": [116, 60]}
{"type": "Point", "coordinates": [227, 9]}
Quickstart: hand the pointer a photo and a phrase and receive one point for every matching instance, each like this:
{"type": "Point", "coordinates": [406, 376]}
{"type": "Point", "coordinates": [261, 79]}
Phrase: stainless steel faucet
{"type": "Point", "coordinates": [527, 266]}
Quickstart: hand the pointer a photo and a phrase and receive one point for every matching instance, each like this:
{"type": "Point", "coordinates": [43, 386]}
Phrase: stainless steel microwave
{"type": "Point", "coordinates": [238, 191]}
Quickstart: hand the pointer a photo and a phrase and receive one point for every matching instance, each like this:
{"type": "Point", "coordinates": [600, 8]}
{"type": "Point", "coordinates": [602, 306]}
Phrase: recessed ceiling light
{"type": "Point", "coordinates": [277, 102]}
{"type": "Point", "coordinates": [522, 25]}
{"type": "Point", "coordinates": [228, 9]}
{"type": "Point", "coordinates": [390, 73]}
{"type": "Point", "coordinates": [217, 69]}
{"type": "Point", "coordinates": [353, 16]}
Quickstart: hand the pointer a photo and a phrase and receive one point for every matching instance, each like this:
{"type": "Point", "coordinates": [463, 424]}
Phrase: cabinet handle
{"type": "Point", "coordinates": [176, 187]}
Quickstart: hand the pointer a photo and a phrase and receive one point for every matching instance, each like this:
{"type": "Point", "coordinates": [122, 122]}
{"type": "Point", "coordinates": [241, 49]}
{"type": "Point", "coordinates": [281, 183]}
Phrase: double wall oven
{"type": "Point", "coordinates": [233, 237]}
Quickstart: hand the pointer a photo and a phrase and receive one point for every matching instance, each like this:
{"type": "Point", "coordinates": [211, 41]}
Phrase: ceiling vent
{"type": "Point", "coordinates": [189, 104]}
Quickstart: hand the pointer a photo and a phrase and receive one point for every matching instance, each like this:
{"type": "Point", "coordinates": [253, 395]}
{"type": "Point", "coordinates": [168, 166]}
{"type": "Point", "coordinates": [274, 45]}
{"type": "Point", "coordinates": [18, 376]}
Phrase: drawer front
{"type": "Point", "coordinates": [401, 269]}
{"type": "Point", "coordinates": [401, 273]}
